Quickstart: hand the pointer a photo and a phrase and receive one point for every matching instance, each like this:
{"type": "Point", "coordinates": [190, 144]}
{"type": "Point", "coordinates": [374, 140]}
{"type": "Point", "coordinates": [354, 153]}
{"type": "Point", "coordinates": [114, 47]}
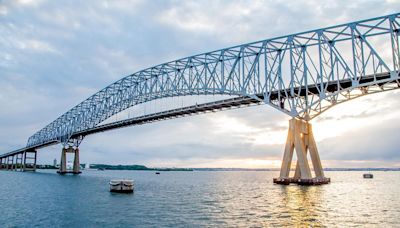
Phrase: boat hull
{"type": "Point", "coordinates": [122, 186]}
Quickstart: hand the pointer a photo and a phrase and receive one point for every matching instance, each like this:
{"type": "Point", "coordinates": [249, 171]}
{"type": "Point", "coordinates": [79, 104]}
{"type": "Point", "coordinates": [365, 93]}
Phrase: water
{"type": "Point", "coordinates": [196, 199]}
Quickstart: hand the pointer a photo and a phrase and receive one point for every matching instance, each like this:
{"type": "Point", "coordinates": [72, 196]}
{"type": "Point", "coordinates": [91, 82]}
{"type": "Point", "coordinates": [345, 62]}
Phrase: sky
{"type": "Point", "coordinates": [55, 54]}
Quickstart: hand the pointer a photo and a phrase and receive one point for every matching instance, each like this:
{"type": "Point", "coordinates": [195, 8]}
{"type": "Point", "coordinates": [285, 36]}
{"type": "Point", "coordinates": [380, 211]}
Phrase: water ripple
{"type": "Point", "coordinates": [197, 199]}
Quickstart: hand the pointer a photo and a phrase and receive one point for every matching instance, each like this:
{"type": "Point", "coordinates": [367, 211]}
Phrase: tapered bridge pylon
{"type": "Point", "coordinates": [63, 164]}
{"type": "Point", "coordinates": [300, 138]}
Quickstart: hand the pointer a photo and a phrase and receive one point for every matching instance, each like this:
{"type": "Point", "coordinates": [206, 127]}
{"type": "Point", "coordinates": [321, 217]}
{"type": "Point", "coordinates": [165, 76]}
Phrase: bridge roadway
{"type": "Point", "coordinates": [236, 102]}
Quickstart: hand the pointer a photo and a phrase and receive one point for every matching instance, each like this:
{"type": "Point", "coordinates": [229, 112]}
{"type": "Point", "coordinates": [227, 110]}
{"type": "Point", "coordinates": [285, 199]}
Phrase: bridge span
{"type": "Point", "coordinates": [302, 75]}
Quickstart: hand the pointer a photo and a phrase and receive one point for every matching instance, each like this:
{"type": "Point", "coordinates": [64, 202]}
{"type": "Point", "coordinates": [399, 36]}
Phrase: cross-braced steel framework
{"type": "Point", "coordinates": [301, 74]}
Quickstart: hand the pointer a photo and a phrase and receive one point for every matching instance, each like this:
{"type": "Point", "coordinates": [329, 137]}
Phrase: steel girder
{"type": "Point", "coordinates": [287, 66]}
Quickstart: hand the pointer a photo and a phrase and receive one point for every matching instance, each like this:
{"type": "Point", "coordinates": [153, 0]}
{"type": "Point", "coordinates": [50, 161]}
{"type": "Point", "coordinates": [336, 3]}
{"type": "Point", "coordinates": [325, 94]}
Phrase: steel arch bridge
{"type": "Point", "coordinates": [302, 75]}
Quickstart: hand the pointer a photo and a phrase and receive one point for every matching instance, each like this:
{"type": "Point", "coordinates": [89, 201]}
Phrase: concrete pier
{"type": "Point", "coordinates": [2, 163]}
{"type": "Point", "coordinates": [63, 163]}
{"type": "Point", "coordinates": [300, 138]}
{"type": "Point", "coordinates": [10, 162]}
{"type": "Point", "coordinates": [19, 162]}
{"type": "Point", "coordinates": [30, 158]}
{"type": "Point", "coordinates": [22, 161]}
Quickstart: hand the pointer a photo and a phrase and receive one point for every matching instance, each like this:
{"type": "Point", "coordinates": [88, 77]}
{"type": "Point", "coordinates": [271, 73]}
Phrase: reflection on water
{"type": "Point", "coordinates": [302, 205]}
{"type": "Point", "coordinates": [197, 199]}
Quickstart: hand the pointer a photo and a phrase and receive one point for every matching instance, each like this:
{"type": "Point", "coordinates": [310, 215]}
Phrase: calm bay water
{"type": "Point", "coordinates": [196, 199]}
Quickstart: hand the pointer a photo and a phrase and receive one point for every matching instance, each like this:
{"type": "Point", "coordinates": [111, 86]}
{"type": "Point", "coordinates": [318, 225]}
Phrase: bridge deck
{"type": "Point", "coordinates": [175, 113]}
{"type": "Point", "coordinates": [225, 104]}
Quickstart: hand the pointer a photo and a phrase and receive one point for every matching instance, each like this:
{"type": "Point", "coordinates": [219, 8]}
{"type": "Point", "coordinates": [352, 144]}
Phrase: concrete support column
{"type": "Point", "coordinates": [29, 160]}
{"type": "Point", "coordinates": [15, 168]}
{"type": "Point", "coordinates": [10, 162]}
{"type": "Point", "coordinates": [63, 163]}
{"type": "Point", "coordinates": [300, 138]}
{"type": "Point", "coordinates": [76, 168]}
{"type": "Point", "coordinates": [19, 162]}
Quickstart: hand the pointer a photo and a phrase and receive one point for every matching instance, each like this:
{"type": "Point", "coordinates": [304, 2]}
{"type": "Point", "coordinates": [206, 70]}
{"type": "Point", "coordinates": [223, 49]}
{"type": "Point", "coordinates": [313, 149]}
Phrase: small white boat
{"type": "Point", "coordinates": [368, 175]}
{"type": "Point", "coordinates": [122, 186]}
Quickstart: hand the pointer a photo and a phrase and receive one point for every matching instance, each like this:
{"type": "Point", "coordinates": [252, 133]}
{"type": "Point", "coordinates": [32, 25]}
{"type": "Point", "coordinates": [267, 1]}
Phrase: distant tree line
{"type": "Point", "coordinates": [134, 167]}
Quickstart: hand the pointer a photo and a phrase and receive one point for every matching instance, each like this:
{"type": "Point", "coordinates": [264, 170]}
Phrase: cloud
{"type": "Point", "coordinates": [34, 45]}
{"type": "Point", "coordinates": [239, 21]}
{"type": "Point", "coordinates": [3, 10]}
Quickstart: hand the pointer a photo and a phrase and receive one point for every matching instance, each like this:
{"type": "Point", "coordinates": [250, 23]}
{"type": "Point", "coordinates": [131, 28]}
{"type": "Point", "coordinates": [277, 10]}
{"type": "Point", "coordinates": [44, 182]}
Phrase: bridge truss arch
{"type": "Point", "coordinates": [302, 75]}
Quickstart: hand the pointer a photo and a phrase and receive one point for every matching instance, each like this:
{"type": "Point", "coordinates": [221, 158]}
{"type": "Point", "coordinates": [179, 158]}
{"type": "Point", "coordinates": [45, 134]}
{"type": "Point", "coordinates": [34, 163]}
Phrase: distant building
{"type": "Point", "coordinates": [55, 162]}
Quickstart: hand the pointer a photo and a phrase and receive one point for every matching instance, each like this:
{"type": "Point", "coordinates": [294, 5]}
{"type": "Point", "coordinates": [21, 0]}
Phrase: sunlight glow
{"type": "Point", "coordinates": [262, 163]}
{"type": "Point", "coordinates": [245, 163]}
{"type": "Point", "coordinates": [350, 116]}
{"type": "Point", "coordinates": [256, 136]}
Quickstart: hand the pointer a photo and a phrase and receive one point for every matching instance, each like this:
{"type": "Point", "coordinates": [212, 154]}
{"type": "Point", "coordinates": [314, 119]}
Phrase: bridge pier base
{"type": "Point", "coordinates": [19, 162]}
{"type": "Point", "coordinates": [29, 160]}
{"type": "Point", "coordinates": [63, 163]}
{"type": "Point", "coordinates": [10, 162]}
{"type": "Point", "coordinates": [2, 163]}
{"type": "Point", "coordinates": [300, 138]}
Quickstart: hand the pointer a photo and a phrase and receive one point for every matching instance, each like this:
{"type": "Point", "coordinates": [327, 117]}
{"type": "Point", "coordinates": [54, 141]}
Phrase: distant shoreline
{"type": "Point", "coordinates": [134, 167]}
{"type": "Point", "coordinates": [276, 169]}
{"type": "Point", "coordinates": [144, 168]}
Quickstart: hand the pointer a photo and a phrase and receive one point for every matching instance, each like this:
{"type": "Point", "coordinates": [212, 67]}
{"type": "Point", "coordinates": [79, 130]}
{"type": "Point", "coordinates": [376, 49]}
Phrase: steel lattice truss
{"type": "Point", "coordinates": [301, 74]}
